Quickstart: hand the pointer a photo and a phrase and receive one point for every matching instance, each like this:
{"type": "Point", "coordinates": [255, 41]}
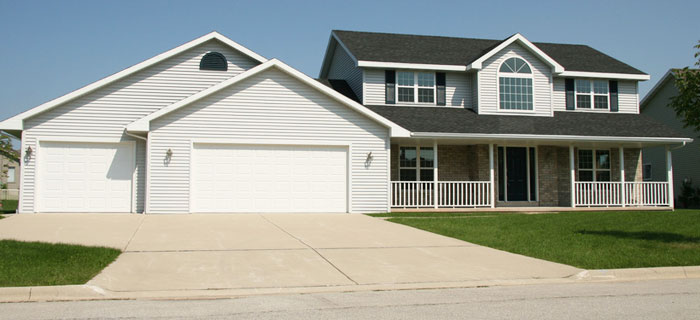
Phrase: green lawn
{"type": "Point", "coordinates": [44, 264]}
{"type": "Point", "coordinates": [590, 240]}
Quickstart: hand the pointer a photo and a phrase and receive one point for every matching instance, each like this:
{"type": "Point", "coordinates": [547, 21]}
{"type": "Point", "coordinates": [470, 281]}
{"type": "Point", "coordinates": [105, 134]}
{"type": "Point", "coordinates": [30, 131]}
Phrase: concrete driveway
{"type": "Point", "coordinates": [257, 251]}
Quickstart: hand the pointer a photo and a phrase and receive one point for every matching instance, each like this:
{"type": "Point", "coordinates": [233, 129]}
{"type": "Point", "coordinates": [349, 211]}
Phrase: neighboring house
{"type": "Point", "coordinates": [10, 169]}
{"type": "Point", "coordinates": [686, 160]}
{"type": "Point", "coordinates": [395, 121]}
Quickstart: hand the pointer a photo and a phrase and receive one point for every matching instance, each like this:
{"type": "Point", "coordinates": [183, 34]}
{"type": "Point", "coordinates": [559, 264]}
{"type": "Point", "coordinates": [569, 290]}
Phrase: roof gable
{"type": "Point", "coordinates": [143, 124]}
{"type": "Point", "coordinates": [517, 38]}
{"type": "Point", "coordinates": [16, 123]}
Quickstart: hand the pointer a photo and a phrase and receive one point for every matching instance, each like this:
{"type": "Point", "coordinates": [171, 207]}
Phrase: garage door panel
{"type": "Point", "coordinates": [85, 177]}
{"type": "Point", "coordinates": [269, 178]}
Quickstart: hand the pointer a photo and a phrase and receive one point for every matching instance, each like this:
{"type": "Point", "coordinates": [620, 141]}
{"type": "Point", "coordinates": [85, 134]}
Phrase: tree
{"type": "Point", "coordinates": [6, 147]}
{"type": "Point", "coordinates": [687, 102]}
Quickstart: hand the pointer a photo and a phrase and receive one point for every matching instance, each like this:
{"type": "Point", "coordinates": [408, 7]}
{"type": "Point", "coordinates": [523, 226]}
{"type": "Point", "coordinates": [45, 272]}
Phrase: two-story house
{"type": "Point", "coordinates": [503, 122]}
{"type": "Point", "coordinates": [397, 121]}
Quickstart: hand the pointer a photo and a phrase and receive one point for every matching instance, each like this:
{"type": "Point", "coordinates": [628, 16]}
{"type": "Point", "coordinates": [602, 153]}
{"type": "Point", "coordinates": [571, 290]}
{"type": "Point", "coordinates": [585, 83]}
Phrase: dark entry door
{"type": "Point", "coordinates": [516, 173]}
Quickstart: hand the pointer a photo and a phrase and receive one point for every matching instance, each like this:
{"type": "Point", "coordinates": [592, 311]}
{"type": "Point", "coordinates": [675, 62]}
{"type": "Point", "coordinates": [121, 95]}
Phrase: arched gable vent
{"type": "Point", "coordinates": [213, 61]}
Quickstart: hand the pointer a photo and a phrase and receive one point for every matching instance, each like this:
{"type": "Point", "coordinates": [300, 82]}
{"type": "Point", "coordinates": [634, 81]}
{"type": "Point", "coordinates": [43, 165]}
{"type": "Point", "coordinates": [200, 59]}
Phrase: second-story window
{"type": "Point", "coordinates": [592, 93]}
{"type": "Point", "coordinates": [515, 85]}
{"type": "Point", "coordinates": [415, 87]}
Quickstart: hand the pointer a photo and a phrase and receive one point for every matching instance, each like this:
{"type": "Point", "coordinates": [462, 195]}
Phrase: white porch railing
{"type": "Point", "coordinates": [415, 194]}
{"type": "Point", "coordinates": [9, 194]}
{"type": "Point", "coordinates": [617, 193]}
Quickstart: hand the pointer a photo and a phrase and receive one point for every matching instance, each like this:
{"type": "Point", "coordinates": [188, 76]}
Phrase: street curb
{"type": "Point", "coordinates": [692, 272]}
{"type": "Point", "coordinates": [89, 292]}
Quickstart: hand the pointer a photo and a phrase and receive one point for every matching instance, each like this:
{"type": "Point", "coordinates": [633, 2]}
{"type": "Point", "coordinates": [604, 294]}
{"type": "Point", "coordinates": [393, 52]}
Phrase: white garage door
{"type": "Point", "coordinates": [85, 177]}
{"type": "Point", "coordinates": [245, 178]}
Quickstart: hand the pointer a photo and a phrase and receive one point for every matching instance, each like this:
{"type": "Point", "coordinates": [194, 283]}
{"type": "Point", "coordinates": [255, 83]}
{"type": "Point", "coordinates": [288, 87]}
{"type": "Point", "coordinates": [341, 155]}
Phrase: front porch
{"type": "Point", "coordinates": [522, 177]}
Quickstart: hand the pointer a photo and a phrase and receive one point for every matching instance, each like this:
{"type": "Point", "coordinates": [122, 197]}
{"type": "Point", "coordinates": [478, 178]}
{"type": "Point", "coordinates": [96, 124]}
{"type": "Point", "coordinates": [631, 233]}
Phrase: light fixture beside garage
{"type": "Point", "coordinates": [169, 154]}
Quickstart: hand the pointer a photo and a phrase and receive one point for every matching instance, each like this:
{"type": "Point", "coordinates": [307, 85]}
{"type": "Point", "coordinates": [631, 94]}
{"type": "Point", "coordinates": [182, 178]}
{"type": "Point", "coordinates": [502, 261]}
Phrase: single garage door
{"type": "Point", "coordinates": [260, 178]}
{"type": "Point", "coordinates": [85, 177]}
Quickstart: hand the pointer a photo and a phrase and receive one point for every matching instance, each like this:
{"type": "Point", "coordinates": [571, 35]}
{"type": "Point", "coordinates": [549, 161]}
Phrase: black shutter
{"type": "Point", "coordinates": [390, 79]}
{"type": "Point", "coordinates": [613, 96]}
{"type": "Point", "coordinates": [570, 98]}
{"type": "Point", "coordinates": [440, 89]}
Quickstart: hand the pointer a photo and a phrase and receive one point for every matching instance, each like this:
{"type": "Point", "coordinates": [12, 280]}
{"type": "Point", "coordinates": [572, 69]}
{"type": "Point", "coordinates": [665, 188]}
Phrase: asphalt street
{"type": "Point", "coordinates": [658, 299]}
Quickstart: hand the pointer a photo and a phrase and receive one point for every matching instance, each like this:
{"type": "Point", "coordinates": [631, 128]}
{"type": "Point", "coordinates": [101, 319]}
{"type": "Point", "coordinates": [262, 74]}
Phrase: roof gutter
{"type": "Point", "coordinates": [487, 136]}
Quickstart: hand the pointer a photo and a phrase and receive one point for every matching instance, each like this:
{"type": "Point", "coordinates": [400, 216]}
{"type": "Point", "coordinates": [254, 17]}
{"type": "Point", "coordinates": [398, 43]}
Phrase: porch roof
{"type": "Point", "coordinates": [455, 121]}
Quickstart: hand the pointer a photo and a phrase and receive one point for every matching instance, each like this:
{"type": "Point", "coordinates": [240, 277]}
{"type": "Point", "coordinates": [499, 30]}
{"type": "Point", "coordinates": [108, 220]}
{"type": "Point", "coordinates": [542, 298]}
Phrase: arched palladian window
{"type": "Point", "coordinates": [213, 61]}
{"type": "Point", "coordinates": [515, 85]}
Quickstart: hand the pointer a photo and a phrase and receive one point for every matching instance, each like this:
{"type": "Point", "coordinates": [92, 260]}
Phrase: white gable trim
{"type": "Point", "coordinates": [16, 122]}
{"type": "Point", "coordinates": [478, 63]}
{"type": "Point", "coordinates": [605, 75]}
{"type": "Point", "coordinates": [143, 124]}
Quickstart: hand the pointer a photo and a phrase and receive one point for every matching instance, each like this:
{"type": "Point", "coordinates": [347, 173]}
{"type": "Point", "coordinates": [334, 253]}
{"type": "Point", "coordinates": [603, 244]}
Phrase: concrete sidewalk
{"type": "Point", "coordinates": [182, 256]}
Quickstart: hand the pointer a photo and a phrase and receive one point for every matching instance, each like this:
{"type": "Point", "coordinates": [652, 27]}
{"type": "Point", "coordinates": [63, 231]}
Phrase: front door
{"type": "Point", "coordinates": [516, 173]}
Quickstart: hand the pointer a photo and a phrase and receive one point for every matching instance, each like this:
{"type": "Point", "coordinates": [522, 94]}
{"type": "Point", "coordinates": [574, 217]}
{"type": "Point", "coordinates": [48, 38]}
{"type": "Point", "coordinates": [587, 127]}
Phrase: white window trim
{"type": "Point", "coordinates": [418, 166]}
{"type": "Point", "coordinates": [592, 95]}
{"type": "Point", "coordinates": [500, 74]}
{"type": "Point", "coordinates": [595, 168]}
{"type": "Point", "coordinates": [415, 88]}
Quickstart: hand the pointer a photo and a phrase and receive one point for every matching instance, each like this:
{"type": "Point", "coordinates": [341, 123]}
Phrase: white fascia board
{"type": "Point", "coordinates": [416, 66]}
{"type": "Point", "coordinates": [498, 136]}
{"type": "Point", "coordinates": [16, 122]}
{"type": "Point", "coordinates": [657, 87]}
{"type": "Point", "coordinates": [143, 124]}
{"type": "Point", "coordinates": [478, 63]}
{"type": "Point", "coordinates": [605, 75]}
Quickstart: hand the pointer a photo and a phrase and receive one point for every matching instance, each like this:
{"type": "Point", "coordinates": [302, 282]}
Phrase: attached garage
{"type": "Point", "coordinates": [85, 177]}
{"type": "Point", "coordinates": [269, 178]}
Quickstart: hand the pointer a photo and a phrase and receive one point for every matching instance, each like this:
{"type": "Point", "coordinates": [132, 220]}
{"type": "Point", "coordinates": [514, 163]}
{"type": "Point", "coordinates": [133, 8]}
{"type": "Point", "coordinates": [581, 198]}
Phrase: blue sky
{"type": "Point", "coordinates": [50, 48]}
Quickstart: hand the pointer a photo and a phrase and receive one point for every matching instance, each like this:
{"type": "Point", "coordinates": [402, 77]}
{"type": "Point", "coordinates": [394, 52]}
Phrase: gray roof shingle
{"type": "Point", "coordinates": [460, 120]}
{"type": "Point", "coordinates": [406, 48]}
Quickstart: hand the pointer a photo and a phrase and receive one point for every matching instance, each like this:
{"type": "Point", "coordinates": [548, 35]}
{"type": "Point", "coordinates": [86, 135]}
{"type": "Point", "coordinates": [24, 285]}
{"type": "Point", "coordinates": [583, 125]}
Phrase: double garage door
{"type": "Point", "coordinates": [98, 177]}
{"type": "Point", "coordinates": [85, 177]}
{"type": "Point", "coordinates": [269, 178]}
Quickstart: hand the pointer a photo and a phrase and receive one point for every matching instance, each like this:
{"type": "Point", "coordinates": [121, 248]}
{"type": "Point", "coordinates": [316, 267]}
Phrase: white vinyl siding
{"type": "Point", "coordinates": [343, 67]}
{"type": "Point", "coordinates": [628, 98]}
{"type": "Point", "coordinates": [103, 113]}
{"type": "Point", "coordinates": [457, 87]}
{"type": "Point", "coordinates": [488, 82]}
{"type": "Point", "coordinates": [270, 107]}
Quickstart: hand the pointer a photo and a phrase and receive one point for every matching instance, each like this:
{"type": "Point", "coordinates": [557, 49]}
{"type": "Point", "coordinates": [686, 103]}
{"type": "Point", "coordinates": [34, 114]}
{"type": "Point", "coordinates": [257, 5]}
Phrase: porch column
{"type": "Point", "coordinates": [623, 197]}
{"type": "Point", "coordinates": [492, 185]}
{"type": "Point", "coordinates": [572, 170]}
{"type": "Point", "coordinates": [669, 178]}
{"type": "Point", "coordinates": [435, 174]}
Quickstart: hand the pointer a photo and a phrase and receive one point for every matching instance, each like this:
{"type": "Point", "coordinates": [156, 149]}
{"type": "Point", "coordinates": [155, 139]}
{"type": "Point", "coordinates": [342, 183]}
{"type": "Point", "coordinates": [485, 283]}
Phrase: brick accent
{"type": "Point", "coordinates": [633, 164]}
{"type": "Point", "coordinates": [394, 162]}
{"type": "Point", "coordinates": [553, 176]}
{"type": "Point", "coordinates": [482, 162]}
{"type": "Point", "coordinates": [453, 162]}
